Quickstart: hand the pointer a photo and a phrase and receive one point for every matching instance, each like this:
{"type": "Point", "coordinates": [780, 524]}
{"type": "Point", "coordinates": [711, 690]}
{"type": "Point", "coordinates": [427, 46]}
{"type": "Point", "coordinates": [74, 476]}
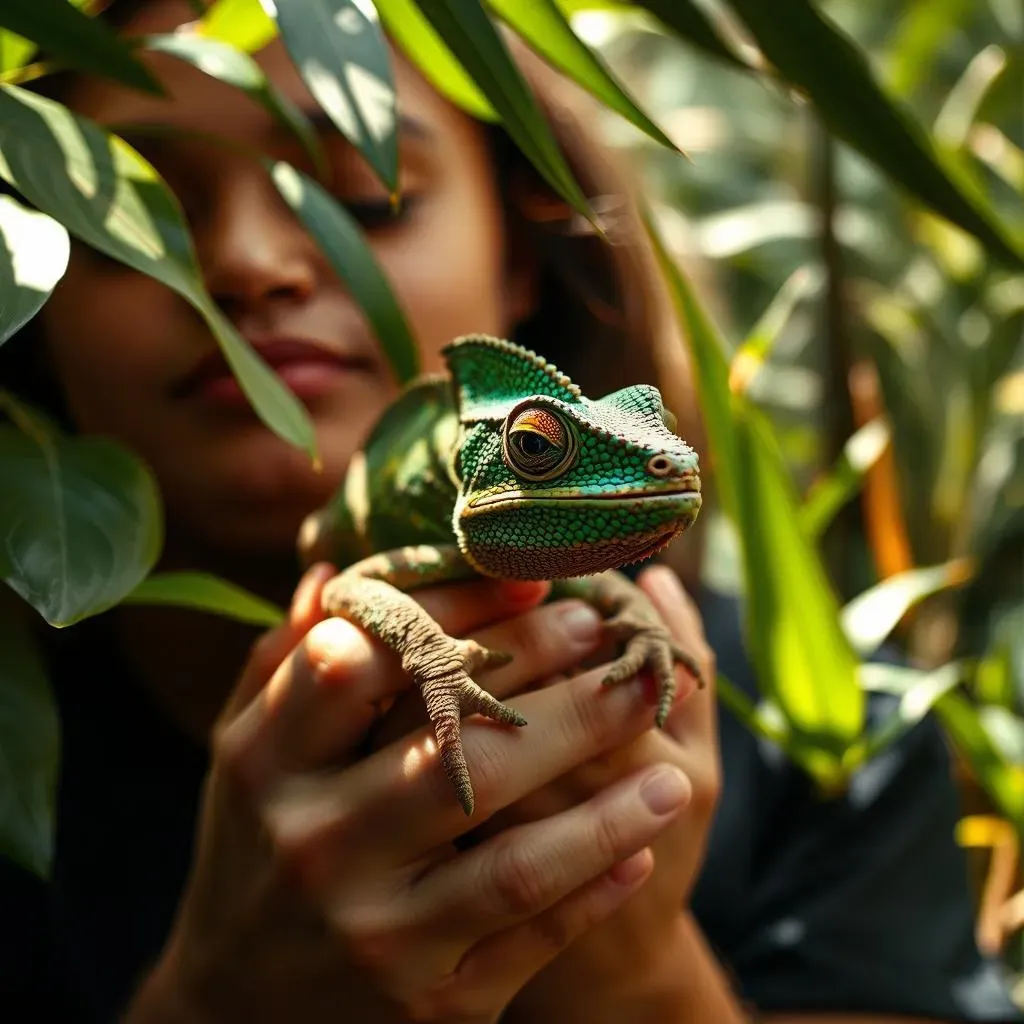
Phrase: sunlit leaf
{"type": "Point", "coordinates": [342, 56]}
{"type": "Point", "coordinates": [29, 747]}
{"type": "Point", "coordinates": [207, 593]}
{"type": "Point", "coordinates": [80, 521]}
{"type": "Point", "coordinates": [417, 38]}
{"type": "Point", "coordinates": [545, 28]}
{"type": "Point", "coordinates": [960, 108]}
{"type": "Point", "coordinates": [836, 487]}
{"type": "Point", "coordinates": [226, 64]}
{"type": "Point", "coordinates": [871, 616]}
{"type": "Point", "coordinates": [15, 51]}
{"type": "Point", "coordinates": [112, 199]}
{"type": "Point", "coordinates": [34, 251]}
{"type": "Point", "coordinates": [472, 37]}
{"type": "Point", "coordinates": [68, 35]}
{"type": "Point", "coordinates": [243, 24]}
{"type": "Point", "coordinates": [341, 241]}
{"type": "Point", "coordinates": [814, 55]}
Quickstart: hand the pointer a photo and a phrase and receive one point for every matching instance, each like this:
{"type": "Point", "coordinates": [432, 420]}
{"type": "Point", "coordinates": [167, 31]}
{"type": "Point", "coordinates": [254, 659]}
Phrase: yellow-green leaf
{"type": "Point", "coordinates": [203, 592]}
{"type": "Point", "coordinates": [243, 24]}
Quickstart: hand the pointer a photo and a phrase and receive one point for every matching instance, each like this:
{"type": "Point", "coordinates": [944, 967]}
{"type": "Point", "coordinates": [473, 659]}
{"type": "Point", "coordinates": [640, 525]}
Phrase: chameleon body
{"type": "Point", "coordinates": [505, 469]}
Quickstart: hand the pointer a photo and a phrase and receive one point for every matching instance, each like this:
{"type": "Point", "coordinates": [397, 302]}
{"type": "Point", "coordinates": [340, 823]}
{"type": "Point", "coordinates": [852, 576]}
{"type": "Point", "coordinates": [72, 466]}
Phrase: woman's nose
{"type": "Point", "coordinates": [251, 248]}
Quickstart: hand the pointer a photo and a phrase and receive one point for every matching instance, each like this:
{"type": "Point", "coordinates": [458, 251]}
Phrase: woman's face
{"type": "Point", "coordinates": [126, 349]}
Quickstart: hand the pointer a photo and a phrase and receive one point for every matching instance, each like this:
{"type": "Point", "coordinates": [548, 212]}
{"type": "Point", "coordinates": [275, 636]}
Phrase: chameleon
{"type": "Point", "coordinates": [501, 467]}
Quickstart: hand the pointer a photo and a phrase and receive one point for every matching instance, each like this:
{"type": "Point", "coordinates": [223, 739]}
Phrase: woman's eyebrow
{"type": "Point", "coordinates": [409, 126]}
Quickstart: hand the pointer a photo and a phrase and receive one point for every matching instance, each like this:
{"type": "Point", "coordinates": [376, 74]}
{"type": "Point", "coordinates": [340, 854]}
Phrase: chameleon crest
{"type": "Point", "coordinates": [553, 484]}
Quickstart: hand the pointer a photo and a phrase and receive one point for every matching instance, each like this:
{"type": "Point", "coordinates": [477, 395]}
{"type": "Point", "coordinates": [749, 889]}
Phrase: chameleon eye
{"type": "Point", "coordinates": [539, 445]}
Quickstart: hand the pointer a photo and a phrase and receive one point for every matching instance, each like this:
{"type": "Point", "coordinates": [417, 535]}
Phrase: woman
{"type": "Point", "coordinates": [230, 845]}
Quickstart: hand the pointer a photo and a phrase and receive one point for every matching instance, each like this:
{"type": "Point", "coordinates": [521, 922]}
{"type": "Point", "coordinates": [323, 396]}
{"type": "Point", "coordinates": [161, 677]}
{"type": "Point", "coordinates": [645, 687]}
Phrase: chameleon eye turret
{"type": "Point", "coordinates": [539, 443]}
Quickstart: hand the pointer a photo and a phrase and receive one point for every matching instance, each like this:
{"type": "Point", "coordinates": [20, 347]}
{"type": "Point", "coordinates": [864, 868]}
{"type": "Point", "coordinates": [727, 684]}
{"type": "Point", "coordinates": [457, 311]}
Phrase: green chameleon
{"type": "Point", "coordinates": [505, 469]}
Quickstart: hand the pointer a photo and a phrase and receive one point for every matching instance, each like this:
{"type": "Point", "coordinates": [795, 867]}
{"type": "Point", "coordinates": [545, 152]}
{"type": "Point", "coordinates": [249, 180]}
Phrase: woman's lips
{"type": "Point", "coordinates": [309, 370]}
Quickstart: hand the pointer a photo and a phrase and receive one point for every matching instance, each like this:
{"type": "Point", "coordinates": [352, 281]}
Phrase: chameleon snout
{"type": "Point", "coordinates": [670, 467]}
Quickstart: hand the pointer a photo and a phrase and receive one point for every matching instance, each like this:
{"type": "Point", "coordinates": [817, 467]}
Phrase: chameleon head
{"type": "Point", "coordinates": [566, 486]}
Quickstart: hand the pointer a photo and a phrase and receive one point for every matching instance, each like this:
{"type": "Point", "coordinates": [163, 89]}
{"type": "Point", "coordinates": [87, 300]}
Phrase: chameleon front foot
{"type": "Point", "coordinates": [449, 698]}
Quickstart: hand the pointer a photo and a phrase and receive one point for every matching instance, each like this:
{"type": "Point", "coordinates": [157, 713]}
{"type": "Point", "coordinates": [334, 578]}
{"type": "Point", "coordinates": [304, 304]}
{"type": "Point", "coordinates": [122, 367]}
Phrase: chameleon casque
{"type": "Point", "coordinates": [505, 469]}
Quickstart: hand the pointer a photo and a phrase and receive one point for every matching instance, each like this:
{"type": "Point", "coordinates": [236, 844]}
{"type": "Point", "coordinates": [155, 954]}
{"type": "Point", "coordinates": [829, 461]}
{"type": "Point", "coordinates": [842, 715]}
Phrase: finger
{"type": "Point", "coordinates": [529, 868]}
{"type": "Point", "coordinates": [326, 694]}
{"type": "Point", "coordinates": [508, 960]}
{"type": "Point", "coordinates": [542, 642]}
{"type": "Point", "coordinates": [693, 719]}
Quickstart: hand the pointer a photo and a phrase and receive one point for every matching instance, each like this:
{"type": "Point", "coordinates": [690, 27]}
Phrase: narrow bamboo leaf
{"type": "Point", "coordinates": [804, 660]}
{"type": "Point", "coordinates": [918, 37]}
{"type": "Point", "coordinates": [960, 109]}
{"type": "Point", "coordinates": [692, 24]}
{"type": "Point", "coordinates": [871, 616]}
{"type": "Point", "coordinates": [341, 241]}
{"type": "Point", "coordinates": [406, 25]}
{"type": "Point", "coordinates": [34, 251]}
{"type": "Point", "coordinates": [342, 56]}
{"type": "Point", "coordinates": [29, 748]}
{"type": "Point", "coordinates": [223, 62]}
{"type": "Point", "coordinates": [1003, 782]}
{"type": "Point", "coordinates": [545, 28]}
{"type": "Point", "coordinates": [243, 24]}
{"type": "Point", "coordinates": [1006, 732]}
{"type": "Point", "coordinates": [833, 490]}
{"type": "Point", "coordinates": [15, 51]}
{"type": "Point", "coordinates": [68, 35]}
{"type": "Point", "coordinates": [205, 593]}
{"type": "Point", "coordinates": [471, 36]}
{"type": "Point", "coordinates": [112, 199]}
{"type": "Point", "coordinates": [80, 522]}
{"type": "Point", "coordinates": [814, 55]}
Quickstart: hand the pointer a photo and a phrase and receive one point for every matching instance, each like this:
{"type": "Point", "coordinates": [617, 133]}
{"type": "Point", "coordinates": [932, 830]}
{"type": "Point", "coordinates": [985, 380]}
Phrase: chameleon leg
{"type": "Point", "coordinates": [371, 594]}
{"type": "Point", "coordinates": [630, 617]}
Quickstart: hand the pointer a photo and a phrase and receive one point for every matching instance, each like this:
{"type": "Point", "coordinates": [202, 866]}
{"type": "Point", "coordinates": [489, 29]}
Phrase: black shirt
{"type": "Point", "coordinates": [856, 904]}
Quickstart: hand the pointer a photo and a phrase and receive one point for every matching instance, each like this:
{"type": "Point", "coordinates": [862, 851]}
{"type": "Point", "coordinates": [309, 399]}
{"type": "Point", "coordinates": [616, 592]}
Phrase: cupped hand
{"type": "Point", "coordinates": [328, 882]}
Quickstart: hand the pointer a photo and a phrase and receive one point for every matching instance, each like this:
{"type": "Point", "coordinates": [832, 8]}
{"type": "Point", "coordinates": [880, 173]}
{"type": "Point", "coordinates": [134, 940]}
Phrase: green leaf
{"type": "Point", "coordinates": [207, 593]}
{"type": "Point", "coordinates": [406, 25]}
{"type": "Point", "coordinates": [833, 490]}
{"type": "Point", "coordinates": [226, 64]}
{"type": "Point", "coordinates": [15, 51]}
{"type": "Point", "coordinates": [29, 747]}
{"type": "Point", "coordinates": [342, 56]}
{"type": "Point", "coordinates": [814, 55]}
{"type": "Point", "coordinates": [68, 35]}
{"type": "Point", "coordinates": [692, 24]}
{"type": "Point", "coordinates": [472, 37]}
{"type": "Point", "coordinates": [545, 28]}
{"type": "Point", "coordinates": [871, 616]}
{"type": "Point", "coordinates": [34, 251]}
{"type": "Point", "coordinates": [918, 37]}
{"type": "Point", "coordinates": [112, 199]}
{"type": "Point", "coordinates": [80, 522]}
{"type": "Point", "coordinates": [338, 235]}
{"type": "Point", "coordinates": [243, 24]}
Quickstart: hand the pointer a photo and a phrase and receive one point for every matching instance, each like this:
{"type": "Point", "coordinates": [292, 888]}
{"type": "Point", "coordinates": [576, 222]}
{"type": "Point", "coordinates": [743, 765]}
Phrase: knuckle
{"type": "Point", "coordinates": [515, 883]}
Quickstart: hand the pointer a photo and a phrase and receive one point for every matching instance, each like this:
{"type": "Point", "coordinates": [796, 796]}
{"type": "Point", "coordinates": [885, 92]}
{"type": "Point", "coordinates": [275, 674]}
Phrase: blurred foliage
{"type": "Point", "coordinates": [853, 210]}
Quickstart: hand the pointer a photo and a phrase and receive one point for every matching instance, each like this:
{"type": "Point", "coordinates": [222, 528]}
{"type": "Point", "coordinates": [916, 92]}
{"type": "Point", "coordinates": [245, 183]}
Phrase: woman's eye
{"type": "Point", "coordinates": [378, 213]}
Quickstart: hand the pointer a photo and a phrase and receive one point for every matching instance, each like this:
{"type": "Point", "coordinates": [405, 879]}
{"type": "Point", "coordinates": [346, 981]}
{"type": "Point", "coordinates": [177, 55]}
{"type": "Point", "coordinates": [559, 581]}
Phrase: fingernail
{"type": "Point", "coordinates": [632, 869]}
{"type": "Point", "coordinates": [580, 621]}
{"type": "Point", "coordinates": [665, 791]}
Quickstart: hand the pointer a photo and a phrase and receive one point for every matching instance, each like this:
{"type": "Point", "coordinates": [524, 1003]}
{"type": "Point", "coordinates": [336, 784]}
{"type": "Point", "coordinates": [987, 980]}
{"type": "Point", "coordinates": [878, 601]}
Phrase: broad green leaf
{"type": "Point", "coordinates": [68, 35]}
{"type": "Point", "coordinates": [545, 28]}
{"type": "Point", "coordinates": [804, 660]}
{"type": "Point", "coordinates": [814, 55]}
{"type": "Point", "coordinates": [29, 747]}
{"type": "Point", "coordinates": [205, 593]}
{"type": "Point", "coordinates": [226, 64]}
{"type": "Point", "coordinates": [871, 616]}
{"type": "Point", "coordinates": [15, 51]}
{"type": "Point", "coordinates": [112, 199]}
{"type": "Point", "coordinates": [833, 490]}
{"type": "Point", "coordinates": [34, 251]}
{"type": "Point", "coordinates": [342, 56]}
{"type": "Point", "coordinates": [410, 30]}
{"type": "Point", "coordinates": [80, 522]}
{"type": "Point", "coordinates": [692, 24]}
{"type": "Point", "coordinates": [471, 35]}
{"type": "Point", "coordinates": [338, 235]}
{"type": "Point", "coordinates": [243, 24]}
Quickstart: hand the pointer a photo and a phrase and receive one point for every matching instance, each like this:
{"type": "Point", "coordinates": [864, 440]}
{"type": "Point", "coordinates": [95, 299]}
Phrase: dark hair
{"type": "Point", "coordinates": [601, 315]}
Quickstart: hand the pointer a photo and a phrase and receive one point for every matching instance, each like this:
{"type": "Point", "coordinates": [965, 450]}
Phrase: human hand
{"type": "Point", "coordinates": [328, 885]}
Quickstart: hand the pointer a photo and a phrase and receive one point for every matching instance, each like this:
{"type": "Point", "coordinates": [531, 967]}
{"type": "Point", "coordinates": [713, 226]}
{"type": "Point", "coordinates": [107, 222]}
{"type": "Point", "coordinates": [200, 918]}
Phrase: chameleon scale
{"type": "Point", "coordinates": [503, 468]}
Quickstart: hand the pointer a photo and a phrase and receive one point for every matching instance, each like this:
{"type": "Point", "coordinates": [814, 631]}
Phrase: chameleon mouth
{"type": "Point", "coordinates": [515, 499]}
